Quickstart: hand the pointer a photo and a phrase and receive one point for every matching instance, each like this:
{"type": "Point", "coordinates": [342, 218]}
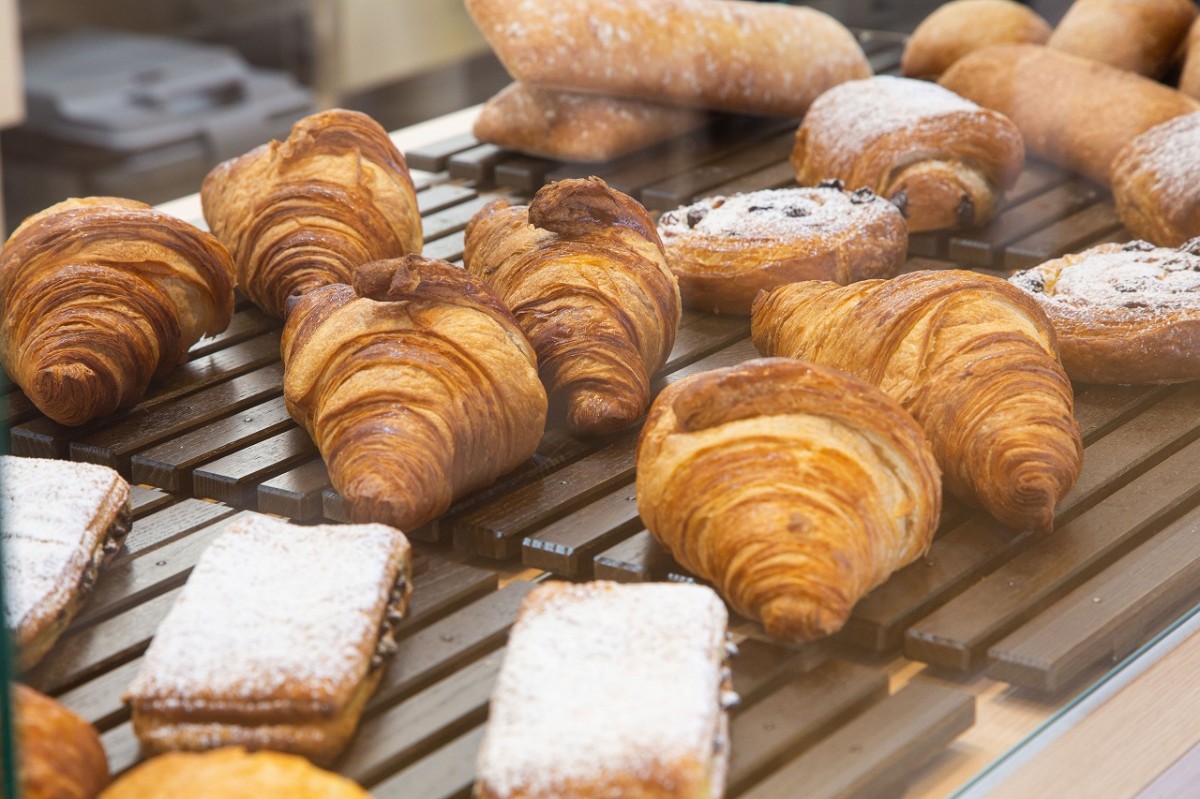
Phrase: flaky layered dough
{"type": "Point", "coordinates": [793, 487]}
{"type": "Point", "coordinates": [59, 754]}
{"type": "Point", "coordinates": [1156, 182]}
{"type": "Point", "coordinates": [942, 160]}
{"type": "Point", "coordinates": [1141, 36]}
{"type": "Point", "coordinates": [963, 26]}
{"type": "Point", "coordinates": [1072, 111]}
{"type": "Point", "coordinates": [100, 295]}
{"type": "Point", "coordinates": [307, 211]}
{"type": "Point", "coordinates": [583, 270]}
{"type": "Point", "coordinates": [416, 384]}
{"type": "Point", "coordinates": [232, 773]}
{"type": "Point", "coordinates": [973, 358]}
{"type": "Point", "coordinates": [727, 55]}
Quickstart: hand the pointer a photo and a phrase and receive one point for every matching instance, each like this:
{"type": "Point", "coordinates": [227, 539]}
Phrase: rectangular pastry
{"type": "Point", "coordinates": [61, 522]}
{"type": "Point", "coordinates": [610, 690]}
{"type": "Point", "coordinates": [277, 640]}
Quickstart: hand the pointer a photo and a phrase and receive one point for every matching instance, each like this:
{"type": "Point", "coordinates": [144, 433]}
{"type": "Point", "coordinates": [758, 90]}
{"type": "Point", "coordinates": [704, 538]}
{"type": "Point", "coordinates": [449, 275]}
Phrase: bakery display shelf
{"type": "Point", "coordinates": [850, 717]}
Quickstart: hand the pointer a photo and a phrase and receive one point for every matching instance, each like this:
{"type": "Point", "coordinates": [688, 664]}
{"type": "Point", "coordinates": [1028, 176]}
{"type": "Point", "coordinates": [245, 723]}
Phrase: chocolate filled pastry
{"type": "Point", "coordinates": [963, 26]}
{"type": "Point", "coordinates": [573, 126]}
{"type": "Point", "coordinates": [1156, 182]}
{"type": "Point", "coordinates": [727, 55]}
{"type": "Point", "coordinates": [972, 357]}
{"type": "Point", "coordinates": [61, 523]}
{"type": "Point", "coordinates": [1140, 36]}
{"type": "Point", "coordinates": [59, 755]}
{"type": "Point", "coordinates": [725, 250]}
{"type": "Point", "coordinates": [1072, 111]}
{"type": "Point", "coordinates": [307, 211]}
{"type": "Point", "coordinates": [98, 296]}
{"type": "Point", "coordinates": [231, 773]}
{"type": "Point", "coordinates": [944, 161]}
{"type": "Point", "coordinates": [793, 487]}
{"type": "Point", "coordinates": [610, 690]}
{"type": "Point", "coordinates": [276, 642]}
{"type": "Point", "coordinates": [584, 272]}
{"type": "Point", "coordinates": [1123, 313]}
{"type": "Point", "coordinates": [416, 384]}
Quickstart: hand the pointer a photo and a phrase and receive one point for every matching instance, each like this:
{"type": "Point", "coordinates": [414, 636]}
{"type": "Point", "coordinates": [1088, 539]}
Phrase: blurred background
{"type": "Point", "coordinates": [140, 99]}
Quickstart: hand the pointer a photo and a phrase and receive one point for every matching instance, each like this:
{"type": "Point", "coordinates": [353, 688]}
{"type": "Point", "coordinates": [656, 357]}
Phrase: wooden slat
{"type": "Point", "coordinates": [443, 196]}
{"type": "Point", "coordinates": [876, 749]}
{"type": "Point", "coordinates": [969, 551]}
{"type": "Point", "coordinates": [447, 248]}
{"type": "Point", "coordinates": [144, 500]}
{"type": "Point", "coordinates": [434, 156]}
{"type": "Point", "coordinates": [775, 176]}
{"type": "Point", "coordinates": [166, 525]}
{"type": "Point", "coordinates": [234, 478]}
{"type": "Point", "coordinates": [985, 246]}
{"type": "Point", "coordinates": [115, 444]}
{"type": "Point", "coordinates": [568, 546]}
{"type": "Point", "coordinates": [296, 493]}
{"type": "Point", "coordinates": [524, 173]}
{"type": "Point", "coordinates": [796, 715]}
{"type": "Point", "coordinates": [637, 559]}
{"type": "Point", "coordinates": [454, 218]}
{"type": "Point", "coordinates": [477, 164]}
{"type": "Point", "coordinates": [1108, 616]}
{"type": "Point", "coordinates": [1069, 235]}
{"type": "Point", "coordinates": [445, 773]}
{"type": "Point", "coordinates": [684, 188]}
{"type": "Point", "coordinates": [245, 324]}
{"type": "Point", "coordinates": [957, 634]}
{"type": "Point", "coordinates": [170, 463]}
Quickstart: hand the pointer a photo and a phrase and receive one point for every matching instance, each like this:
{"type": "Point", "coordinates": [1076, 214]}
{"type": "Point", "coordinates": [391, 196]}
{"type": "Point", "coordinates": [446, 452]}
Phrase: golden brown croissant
{"type": "Point", "coordinates": [416, 384]}
{"type": "Point", "coordinates": [584, 272]}
{"type": "Point", "coordinates": [305, 212]}
{"type": "Point", "coordinates": [795, 488]}
{"type": "Point", "coordinates": [100, 295]}
{"type": "Point", "coordinates": [973, 358]}
{"type": "Point", "coordinates": [60, 756]}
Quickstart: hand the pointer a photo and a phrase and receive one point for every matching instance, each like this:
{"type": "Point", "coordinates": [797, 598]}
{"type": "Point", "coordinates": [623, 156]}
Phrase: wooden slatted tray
{"type": "Point", "coordinates": [213, 440]}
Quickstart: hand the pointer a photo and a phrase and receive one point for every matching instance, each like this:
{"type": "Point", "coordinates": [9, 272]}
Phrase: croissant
{"type": "Point", "coordinates": [305, 212]}
{"type": "Point", "coordinates": [973, 358]}
{"type": "Point", "coordinates": [59, 754]}
{"type": "Point", "coordinates": [98, 296]}
{"type": "Point", "coordinates": [584, 272]}
{"type": "Point", "coordinates": [415, 383]}
{"type": "Point", "coordinates": [795, 488]}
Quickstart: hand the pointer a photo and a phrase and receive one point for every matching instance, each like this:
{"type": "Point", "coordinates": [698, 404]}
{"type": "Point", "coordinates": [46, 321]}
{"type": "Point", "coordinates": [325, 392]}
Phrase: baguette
{"type": "Point", "coordinates": [727, 55]}
{"type": "Point", "coordinates": [1072, 111]}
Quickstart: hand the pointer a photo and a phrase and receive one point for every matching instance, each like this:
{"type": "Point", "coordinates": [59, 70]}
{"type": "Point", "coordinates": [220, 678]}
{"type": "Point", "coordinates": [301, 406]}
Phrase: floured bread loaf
{"type": "Point", "coordinates": [61, 523]}
{"type": "Point", "coordinates": [1123, 313]}
{"type": "Point", "coordinates": [277, 640]}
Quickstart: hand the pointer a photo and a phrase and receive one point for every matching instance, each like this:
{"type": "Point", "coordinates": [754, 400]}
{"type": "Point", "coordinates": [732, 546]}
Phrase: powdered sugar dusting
{"type": "Point", "coordinates": [1171, 153]}
{"type": "Point", "coordinates": [777, 215]}
{"type": "Point", "coordinates": [852, 115]}
{"type": "Point", "coordinates": [53, 515]}
{"type": "Point", "coordinates": [274, 608]}
{"type": "Point", "coordinates": [1112, 281]}
{"type": "Point", "coordinates": [602, 678]}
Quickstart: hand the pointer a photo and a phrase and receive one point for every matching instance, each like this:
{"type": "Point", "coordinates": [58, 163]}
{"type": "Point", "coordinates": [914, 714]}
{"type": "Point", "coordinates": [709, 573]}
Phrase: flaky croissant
{"type": "Point", "coordinates": [795, 488]}
{"type": "Point", "coordinates": [973, 358]}
{"type": "Point", "coordinates": [305, 212]}
{"type": "Point", "coordinates": [583, 270]}
{"type": "Point", "coordinates": [100, 295]}
{"type": "Point", "coordinates": [416, 384]}
{"type": "Point", "coordinates": [59, 754]}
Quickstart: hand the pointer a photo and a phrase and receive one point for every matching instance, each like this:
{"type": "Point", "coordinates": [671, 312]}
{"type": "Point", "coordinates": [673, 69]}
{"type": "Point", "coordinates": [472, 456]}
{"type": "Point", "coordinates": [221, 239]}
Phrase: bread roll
{"type": "Point", "coordinates": [1156, 182]}
{"type": "Point", "coordinates": [943, 160]}
{"type": "Point", "coordinates": [728, 55]}
{"type": "Point", "coordinates": [1141, 36]}
{"type": "Point", "coordinates": [963, 26]}
{"type": "Point", "coordinates": [1189, 78]}
{"type": "Point", "coordinates": [1072, 111]}
{"type": "Point", "coordinates": [571, 126]}
{"type": "Point", "coordinates": [59, 754]}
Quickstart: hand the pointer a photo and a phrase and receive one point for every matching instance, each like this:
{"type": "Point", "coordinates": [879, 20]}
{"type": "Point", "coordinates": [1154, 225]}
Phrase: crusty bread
{"type": "Point", "coordinates": [572, 126]}
{"type": "Point", "coordinates": [1072, 111]}
{"type": "Point", "coordinates": [729, 55]}
{"type": "Point", "coordinates": [963, 26]}
{"type": "Point", "coordinates": [1141, 36]}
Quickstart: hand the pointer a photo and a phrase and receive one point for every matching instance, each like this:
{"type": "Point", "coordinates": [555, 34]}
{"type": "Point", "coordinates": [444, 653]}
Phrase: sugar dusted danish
{"type": "Point", "coordinates": [1123, 313]}
{"type": "Point", "coordinates": [725, 250]}
{"type": "Point", "coordinates": [943, 160]}
{"type": "Point", "coordinates": [612, 691]}
{"type": "Point", "coordinates": [61, 523]}
{"type": "Point", "coordinates": [277, 640]}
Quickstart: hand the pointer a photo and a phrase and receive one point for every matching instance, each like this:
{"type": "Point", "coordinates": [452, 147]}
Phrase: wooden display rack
{"type": "Point", "coordinates": [850, 717]}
